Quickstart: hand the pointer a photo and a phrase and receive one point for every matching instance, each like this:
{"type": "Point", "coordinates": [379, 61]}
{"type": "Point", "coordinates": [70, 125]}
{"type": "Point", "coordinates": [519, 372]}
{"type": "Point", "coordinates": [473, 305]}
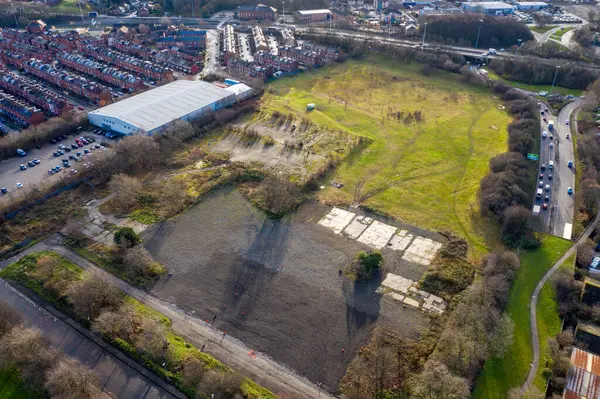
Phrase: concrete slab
{"type": "Point", "coordinates": [396, 296]}
{"type": "Point", "coordinates": [400, 240]}
{"type": "Point", "coordinates": [337, 219]}
{"type": "Point", "coordinates": [377, 235]}
{"type": "Point", "coordinates": [397, 283]}
{"type": "Point", "coordinates": [357, 226]}
{"type": "Point", "coordinates": [411, 302]}
{"type": "Point", "coordinates": [422, 251]}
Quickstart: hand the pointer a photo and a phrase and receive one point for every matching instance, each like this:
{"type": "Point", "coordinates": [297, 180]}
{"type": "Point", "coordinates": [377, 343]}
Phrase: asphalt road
{"type": "Point", "coordinates": [558, 218]}
{"type": "Point", "coordinates": [10, 173]}
{"type": "Point", "coordinates": [115, 376]}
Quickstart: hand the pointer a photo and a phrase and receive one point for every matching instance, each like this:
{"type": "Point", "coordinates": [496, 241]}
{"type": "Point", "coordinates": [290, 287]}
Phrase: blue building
{"type": "Point", "coordinates": [489, 7]}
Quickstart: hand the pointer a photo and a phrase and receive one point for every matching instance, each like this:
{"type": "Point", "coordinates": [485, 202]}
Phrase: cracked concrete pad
{"type": "Point", "coordinates": [396, 296]}
{"type": "Point", "coordinates": [434, 304]}
{"type": "Point", "coordinates": [377, 235]}
{"type": "Point", "coordinates": [337, 219]}
{"type": "Point", "coordinates": [422, 251]}
{"type": "Point", "coordinates": [411, 302]}
{"type": "Point", "coordinates": [397, 283]}
{"type": "Point", "coordinates": [400, 240]}
{"type": "Point", "coordinates": [95, 229]}
{"type": "Point", "coordinates": [357, 226]}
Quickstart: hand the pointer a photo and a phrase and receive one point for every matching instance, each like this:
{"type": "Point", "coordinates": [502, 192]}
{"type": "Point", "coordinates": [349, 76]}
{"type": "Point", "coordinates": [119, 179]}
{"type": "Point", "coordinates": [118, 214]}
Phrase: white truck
{"type": "Point", "coordinates": [550, 125]}
{"type": "Point", "coordinates": [539, 193]}
{"type": "Point", "coordinates": [492, 51]}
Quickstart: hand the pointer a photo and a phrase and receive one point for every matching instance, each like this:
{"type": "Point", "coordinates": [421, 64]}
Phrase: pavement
{"type": "Point", "coordinates": [211, 64]}
{"type": "Point", "coordinates": [255, 365]}
{"type": "Point", "coordinates": [533, 303]}
{"type": "Point", "coordinates": [119, 375]}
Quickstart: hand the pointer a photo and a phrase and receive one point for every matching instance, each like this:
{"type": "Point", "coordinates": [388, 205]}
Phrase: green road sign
{"type": "Point", "coordinates": [533, 157]}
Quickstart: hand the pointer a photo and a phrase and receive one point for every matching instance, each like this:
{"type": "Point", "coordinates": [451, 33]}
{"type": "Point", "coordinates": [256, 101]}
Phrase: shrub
{"type": "Point", "coordinates": [448, 276]}
{"type": "Point", "coordinates": [125, 237]}
{"type": "Point", "coordinates": [365, 265]}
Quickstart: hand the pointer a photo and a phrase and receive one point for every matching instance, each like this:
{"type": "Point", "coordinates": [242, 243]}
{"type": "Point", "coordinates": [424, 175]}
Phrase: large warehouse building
{"type": "Point", "coordinates": [152, 111]}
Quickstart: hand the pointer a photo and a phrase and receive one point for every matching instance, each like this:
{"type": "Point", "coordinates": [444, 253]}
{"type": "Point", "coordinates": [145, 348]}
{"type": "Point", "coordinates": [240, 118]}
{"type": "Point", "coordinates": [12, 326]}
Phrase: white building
{"type": "Point", "coordinates": [531, 5]}
{"type": "Point", "coordinates": [313, 15]}
{"type": "Point", "coordinates": [154, 110]}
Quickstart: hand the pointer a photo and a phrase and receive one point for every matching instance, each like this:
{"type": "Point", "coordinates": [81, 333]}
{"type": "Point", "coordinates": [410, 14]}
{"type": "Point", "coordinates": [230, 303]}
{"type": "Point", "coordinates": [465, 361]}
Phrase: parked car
{"type": "Point", "coordinates": [19, 185]}
{"type": "Point", "coordinates": [570, 164]}
{"type": "Point", "coordinates": [22, 167]}
{"type": "Point", "coordinates": [21, 153]}
{"type": "Point", "coordinates": [549, 176]}
{"type": "Point", "coordinates": [541, 184]}
{"type": "Point", "coordinates": [30, 164]}
{"type": "Point", "coordinates": [4, 190]}
{"type": "Point", "coordinates": [36, 161]}
{"type": "Point", "coordinates": [87, 151]}
{"type": "Point", "coordinates": [569, 191]}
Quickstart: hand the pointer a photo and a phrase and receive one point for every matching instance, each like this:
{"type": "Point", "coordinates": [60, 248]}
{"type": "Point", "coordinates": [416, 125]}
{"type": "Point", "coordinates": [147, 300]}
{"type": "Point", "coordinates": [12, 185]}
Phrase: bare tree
{"type": "Point", "coordinates": [193, 370]}
{"type": "Point", "coordinates": [151, 338]}
{"type": "Point", "coordinates": [139, 264]}
{"type": "Point", "coordinates": [122, 323]}
{"type": "Point", "coordinates": [125, 189]}
{"type": "Point", "coordinates": [9, 318]}
{"type": "Point", "coordinates": [69, 379]}
{"type": "Point", "coordinates": [90, 296]}
{"type": "Point", "coordinates": [29, 351]}
{"type": "Point", "coordinates": [144, 29]}
{"type": "Point", "coordinates": [437, 382]}
{"type": "Point", "coordinates": [138, 152]}
{"type": "Point", "coordinates": [221, 384]}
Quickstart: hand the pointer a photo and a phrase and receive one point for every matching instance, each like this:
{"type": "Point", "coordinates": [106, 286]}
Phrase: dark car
{"type": "Point", "coordinates": [79, 154]}
{"type": "Point", "coordinates": [30, 164]}
{"type": "Point", "coordinates": [550, 176]}
{"type": "Point", "coordinates": [67, 149]}
{"type": "Point", "coordinates": [52, 141]}
{"type": "Point", "coordinates": [74, 146]}
{"type": "Point", "coordinates": [67, 165]}
{"type": "Point", "coordinates": [38, 146]}
{"type": "Point", "coordinates": [72, 157]}
{"type": "Point", "coordinates": [87, 151]}
{"type": "Point", "coordinates": [60, 152]}
{"type": "Point", "coordinates": [64, 137]}
{"type": "Point", "coordinates": [4, 190]}
{"type": "Point", "coordinates": [546, 198]}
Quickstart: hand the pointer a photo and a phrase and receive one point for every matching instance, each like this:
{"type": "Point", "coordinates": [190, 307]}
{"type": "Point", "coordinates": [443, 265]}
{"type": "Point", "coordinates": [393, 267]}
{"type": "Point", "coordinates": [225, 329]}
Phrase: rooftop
{"type": "Point", "coordinates": [157, 107]}
{"type": "Point", "coordinates": [532, 3]}
{"type": "Point", "coordinates": [308, 12]}
{"type": "Point", "coordinates": [489, 4]}
{"type": "Point", "coordinates": [583, 378]}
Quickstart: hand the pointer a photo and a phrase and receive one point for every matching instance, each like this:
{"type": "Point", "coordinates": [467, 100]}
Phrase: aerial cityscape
{"type": "Point", "coordinates": [309, 199]}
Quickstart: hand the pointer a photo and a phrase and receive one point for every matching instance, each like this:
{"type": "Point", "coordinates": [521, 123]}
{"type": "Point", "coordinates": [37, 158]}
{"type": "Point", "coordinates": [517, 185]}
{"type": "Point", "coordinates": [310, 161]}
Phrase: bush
{"type": "Point", "coordinates": [517, 228]}
{"type": "Point", "coordinates": [365, 265]}
{"type": "Point", "coordinates": [140, 266]}
{"type": "Point", "coordinates": [277, 197]}
{"type": "Point", "coordinates": [448, 276]}
{"type": "Point", "coordinates": [125, 237]}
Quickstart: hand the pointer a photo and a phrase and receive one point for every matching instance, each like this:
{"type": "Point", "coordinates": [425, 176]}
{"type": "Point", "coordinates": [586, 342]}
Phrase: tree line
{"type": "Point", "coordinates": [533, 71]}
{"type": "Point", "coordinates": [463, 29]}
{"type": "Point", "coordinates": [43, 369]}
{"type": "Point", "coordinates": [506, 191]}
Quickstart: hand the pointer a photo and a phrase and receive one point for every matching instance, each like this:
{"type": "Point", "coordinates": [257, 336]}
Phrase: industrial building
{"type": "Point", "coordinates": [259, 12]}
{"type": "Point", "coordinates": [531, 5]}
{"type": "Point", "coordinates": [153, 111]}
{"type": "Point", "coordinates": [583, 377]}
{"type": "Point", "coordinates": [489, 7]}
{"type": "Point", "coordinates": [313, 15]}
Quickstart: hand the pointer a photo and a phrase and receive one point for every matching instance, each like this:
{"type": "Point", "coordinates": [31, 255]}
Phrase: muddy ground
{"type": "Point", "coordinates": [274, 284]}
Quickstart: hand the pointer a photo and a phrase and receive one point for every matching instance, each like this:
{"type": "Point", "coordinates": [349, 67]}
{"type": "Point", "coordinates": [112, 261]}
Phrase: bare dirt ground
{"type": "Point", "coordinates": [274, 284]}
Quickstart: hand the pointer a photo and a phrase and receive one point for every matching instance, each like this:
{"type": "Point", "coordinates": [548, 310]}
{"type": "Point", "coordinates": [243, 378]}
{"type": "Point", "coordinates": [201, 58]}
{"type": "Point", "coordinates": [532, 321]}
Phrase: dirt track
{"type": "Point", "coordinates": [275, 285]}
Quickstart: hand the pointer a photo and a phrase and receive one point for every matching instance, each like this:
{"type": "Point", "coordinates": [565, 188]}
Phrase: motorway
{"type": "Point", "coordinates": [558, 219]}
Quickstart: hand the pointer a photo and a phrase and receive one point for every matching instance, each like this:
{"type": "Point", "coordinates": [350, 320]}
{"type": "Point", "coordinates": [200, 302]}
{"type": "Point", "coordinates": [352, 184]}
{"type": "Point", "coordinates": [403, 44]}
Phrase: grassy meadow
{"type": "Point", "coordinates": [431, 138]}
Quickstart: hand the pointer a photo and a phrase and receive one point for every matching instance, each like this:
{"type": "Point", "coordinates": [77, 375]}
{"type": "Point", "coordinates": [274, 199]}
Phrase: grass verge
{"type": "Point", "coordinates": [28, 273]}
{"type": "Point", "coordinates": [535, 88]}
{"type": "Point", "coordinates": [541, 29]}
{"type": "Point", "coordinates": [501, 374]}
{"type": "Point", "coordinates": [549, 323]}
{"type": "Point", "coordinates": [11, 386]}
{"type": "Point", "coordinates": [560, 33]}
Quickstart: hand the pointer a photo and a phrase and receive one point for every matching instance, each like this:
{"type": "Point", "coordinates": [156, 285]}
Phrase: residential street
{"type": "Point", "coordinates": [262, 369]}
{"type": "Point", "coordinates": [114, 375]}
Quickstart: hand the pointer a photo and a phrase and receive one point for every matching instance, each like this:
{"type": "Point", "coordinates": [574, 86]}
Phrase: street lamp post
{"type": "Point", "coordinates": [478, 32]}
{"type": "Point", "coordinates": [80, 12]}
{"type": "Point", "coordinates": [424, 32]}
{"type": "Point", "coordinates": [554, 80]}
{"type": "Point", "coordinates": [518, 45]}
{"type": "Point", "coordinates": [15, 15]}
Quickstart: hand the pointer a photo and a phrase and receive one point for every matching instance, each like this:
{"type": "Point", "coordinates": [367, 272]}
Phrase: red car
{"type": "Point", "coordinates": [544, 206]}
{"type": "Point", "coordinates": [541, 175]}
{"type": "Point", "coordinates": [80, 108]}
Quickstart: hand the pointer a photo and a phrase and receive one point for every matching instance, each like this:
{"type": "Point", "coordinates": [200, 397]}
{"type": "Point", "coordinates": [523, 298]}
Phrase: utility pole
{"type": "Point", "coordinates": [478, 32]}
{"type": "Point", "coordinates": [80, 12]}
{"type": "Point", "coordinates": [424, 32]}
{"type": "Point", "coordinates": [284, 12]}
{"type": "Point", "coordinates": [554, 80]}
{"type": "Point", "coordinates": [15, 14]}
{"type": "Point", "coordinates": [518, 45]}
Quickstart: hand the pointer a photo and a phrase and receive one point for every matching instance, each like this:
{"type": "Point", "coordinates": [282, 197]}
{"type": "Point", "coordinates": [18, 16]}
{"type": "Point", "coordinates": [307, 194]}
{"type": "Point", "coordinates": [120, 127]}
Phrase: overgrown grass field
{"type": "Point", "coordinates": [425, 172]}
{"type": "Point", "coordinates": [500, 375]}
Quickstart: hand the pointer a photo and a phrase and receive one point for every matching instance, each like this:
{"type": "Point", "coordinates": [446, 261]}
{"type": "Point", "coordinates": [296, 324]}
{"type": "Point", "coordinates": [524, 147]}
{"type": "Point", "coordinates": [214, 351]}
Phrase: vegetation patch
{"type": "Point", "coordinates": [499, 375]}
{"type": "Point", "coordinates": [364, 266]}
{"type": "Point", "coordinates": [426, 152]}
{"type": "Point", "coordinates": [12, 387]}
{"type": "Point", "coordinates": [136, 329]}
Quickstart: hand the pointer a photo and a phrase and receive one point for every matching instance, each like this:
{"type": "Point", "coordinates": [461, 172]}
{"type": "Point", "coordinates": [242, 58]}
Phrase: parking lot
{"type": "Point", "coordinates": [11, 174]}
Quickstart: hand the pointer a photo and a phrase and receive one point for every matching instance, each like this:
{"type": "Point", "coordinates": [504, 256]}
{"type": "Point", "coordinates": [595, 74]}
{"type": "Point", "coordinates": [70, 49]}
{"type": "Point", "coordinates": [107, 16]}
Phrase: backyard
{"type": "Point", "coordinates": [430, 139]}
{"type": "Point", "coordinates": [499, 375]}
